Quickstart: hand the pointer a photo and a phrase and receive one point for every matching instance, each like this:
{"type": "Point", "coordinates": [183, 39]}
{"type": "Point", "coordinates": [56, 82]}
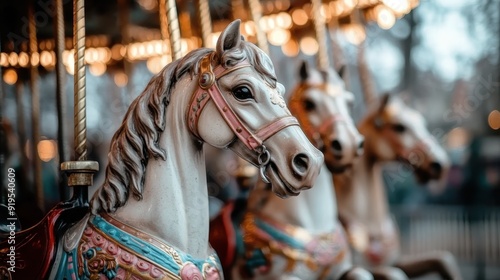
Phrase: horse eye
{"type": "Point", "coordinates": [399, 128]}
{"type": "Point", "coordinates": [309, 105]}
{"type": "Point", "coordinates": [242, 93]}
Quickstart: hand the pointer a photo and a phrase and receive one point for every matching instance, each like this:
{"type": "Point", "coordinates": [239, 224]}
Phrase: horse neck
{"type": "Point", "coordinates": [361, 194]}
{"type": "Point", "coordinates": [175, 198]}
{"type": "Point", "coordinates": [314, 209]}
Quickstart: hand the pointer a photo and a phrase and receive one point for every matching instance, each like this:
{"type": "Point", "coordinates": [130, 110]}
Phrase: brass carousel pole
{"type": "Point", "coordinates": [320, 29]}
{"type": "Point", "coordinates": [339, 60]}
{"type": "Point", "coordinates": [169, 26]}
{"type": "Point", "coordinates": [35, 111]}
{"type": "Point", "coordinates": [256, 12]}
{"type": "Point", "coordinates": [62, 144]}
{"type": "Point", "coordinates": [80, 172]}
{"type": "Point", "coordinates": [203, 10]}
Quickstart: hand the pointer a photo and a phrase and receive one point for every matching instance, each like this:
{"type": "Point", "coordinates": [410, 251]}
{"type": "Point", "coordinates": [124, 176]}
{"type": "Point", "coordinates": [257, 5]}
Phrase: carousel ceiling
{"type": "Point", "coordinates": [283, 21]}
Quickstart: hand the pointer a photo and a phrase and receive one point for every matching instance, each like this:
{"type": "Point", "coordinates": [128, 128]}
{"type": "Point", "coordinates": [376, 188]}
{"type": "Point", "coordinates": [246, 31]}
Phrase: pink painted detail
{"type": "Point", "coordinates": [264, 269]}
{"type": "Point", "coordinates": [142, 266]}
{"type": "Point", "coordinates": [375, 252]}
{"type": "Point", "coordinates": [212, 273]}
{"type": "Point", "coordinates": [99, 240]}
{"type": "Point", "coordinates": [323, 252]}
{"type": "Point", "coordinates": [113, 249]}
{"type": "Point", "coordinates": [88, 231]}
{"type": "Point", "coordinates": [155, 272]}
{"type": "Point", "coordinates": [190, 272]}
{"type": "Point", "coordinates": [329, 249]}
{"type": "Point", "coordinates": [121, 274]}
{"type": "Point", "coordinates": [128, 258]}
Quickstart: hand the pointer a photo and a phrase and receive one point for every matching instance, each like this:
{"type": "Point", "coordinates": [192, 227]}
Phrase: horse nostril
{"type": "Point", "coordinates": [435, 169]}
{"type": "Point", "coordinates": [337, 149]}
{"type": "Point", "coordinates": [336, 146]}
{"type": "Point", "coordinates": [301, 163]}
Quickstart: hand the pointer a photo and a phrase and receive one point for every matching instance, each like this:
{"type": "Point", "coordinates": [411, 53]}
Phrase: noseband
{"type": "Point", "coordinates": [208, 89]}
{"type": "Point", "coordinates": [314, 132]}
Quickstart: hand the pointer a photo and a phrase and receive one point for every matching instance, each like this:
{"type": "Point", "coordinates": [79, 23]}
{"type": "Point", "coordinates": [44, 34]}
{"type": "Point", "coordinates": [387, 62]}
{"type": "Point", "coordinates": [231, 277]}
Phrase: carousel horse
{"type": "Point", "coordinates": [393, 132]}
{"type": "Point", "coordinates": [301, 237]}
{"type": "Point", "coordinates": [149, 219]}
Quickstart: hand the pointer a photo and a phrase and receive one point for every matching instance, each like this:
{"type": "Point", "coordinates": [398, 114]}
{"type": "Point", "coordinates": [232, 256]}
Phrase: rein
{"type": "Point", "coordinates": [208, 89]}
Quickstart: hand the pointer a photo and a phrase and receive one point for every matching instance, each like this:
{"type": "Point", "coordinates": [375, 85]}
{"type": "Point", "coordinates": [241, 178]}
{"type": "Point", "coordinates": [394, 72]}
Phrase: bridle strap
{"type": "Point", "coordinates": [208, 89]}
{"type": "Point", "coordinates": [310, 130]}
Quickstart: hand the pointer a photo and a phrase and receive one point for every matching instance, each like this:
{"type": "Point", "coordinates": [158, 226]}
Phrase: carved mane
{"type": "Point", "coordinates": [136, 140]}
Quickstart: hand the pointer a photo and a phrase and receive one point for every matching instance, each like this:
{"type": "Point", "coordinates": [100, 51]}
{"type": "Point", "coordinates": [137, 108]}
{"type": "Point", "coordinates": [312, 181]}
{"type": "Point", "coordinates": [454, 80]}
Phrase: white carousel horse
{"type": "Point", "coordinates": [301, 237]}
{"type": "Point", "coordinates": [149, 220]}
{"type": "Point", "coordinates": [393, 132]}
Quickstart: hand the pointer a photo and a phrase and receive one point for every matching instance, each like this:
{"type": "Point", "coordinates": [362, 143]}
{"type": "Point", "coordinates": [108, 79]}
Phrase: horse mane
{"type": "Point", "coordinates": [136, 140]}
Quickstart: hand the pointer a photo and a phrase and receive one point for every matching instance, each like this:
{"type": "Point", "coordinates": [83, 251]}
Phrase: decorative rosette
{"type": "Point", "coordinates": [190, 272]}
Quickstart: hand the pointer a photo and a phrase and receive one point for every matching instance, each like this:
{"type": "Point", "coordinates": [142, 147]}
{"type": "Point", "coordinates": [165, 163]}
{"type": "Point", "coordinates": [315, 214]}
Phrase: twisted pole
{"type": "Point", "coordinates": [256, 12]}
{"type": "Point", "coordinates": [80, 117]}
{"type": "Point", "coordinates": [169, 24]}
{"type": "Point", "coordinates": [35, 111]}
{"type": "Point", "coordinates": [205, 21]}
{"type": "Point", "coordinates": [320, 29]}
{"type": "Point", "coordinates": [62, 144]}
{"type": "Point", "coordinates": [81, 171]}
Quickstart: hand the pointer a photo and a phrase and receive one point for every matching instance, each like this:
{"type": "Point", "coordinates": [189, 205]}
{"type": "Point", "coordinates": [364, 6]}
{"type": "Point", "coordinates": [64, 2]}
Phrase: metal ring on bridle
{"type": "Point", "coordinates": [263, 159]}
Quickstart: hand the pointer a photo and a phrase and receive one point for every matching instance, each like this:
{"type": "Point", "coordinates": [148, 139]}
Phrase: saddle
{"type": "Point", "coordinates": [35, 248]}
{"type": "Point", "coordinates": [225, 232]}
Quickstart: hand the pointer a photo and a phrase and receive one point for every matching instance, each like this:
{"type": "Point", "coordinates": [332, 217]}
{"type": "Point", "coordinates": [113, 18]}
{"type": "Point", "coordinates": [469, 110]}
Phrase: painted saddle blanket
{"type": "Point", "coordinates": [110, 249]}
{"type": "Point", "coordinates": [263, 237]}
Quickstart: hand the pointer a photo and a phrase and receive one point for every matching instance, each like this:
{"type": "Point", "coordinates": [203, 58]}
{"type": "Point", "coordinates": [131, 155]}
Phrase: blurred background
{"type": "Point", "coordinates": [440, 56]}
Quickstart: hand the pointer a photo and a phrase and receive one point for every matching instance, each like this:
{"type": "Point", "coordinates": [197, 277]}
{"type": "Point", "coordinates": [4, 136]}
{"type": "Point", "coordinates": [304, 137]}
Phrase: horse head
{"type": "Point", "coordinates": [321, 103]}
{"type": "Point", "coordinates": [247, 109]}
{"type": "Point", "coordinates": [394, 131]}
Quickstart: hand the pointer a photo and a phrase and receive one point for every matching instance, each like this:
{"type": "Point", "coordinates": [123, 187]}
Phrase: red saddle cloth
{"type": "Point", "coordinates": [35, 248]}
{"type": "Point", "coordinates": [222, 237]}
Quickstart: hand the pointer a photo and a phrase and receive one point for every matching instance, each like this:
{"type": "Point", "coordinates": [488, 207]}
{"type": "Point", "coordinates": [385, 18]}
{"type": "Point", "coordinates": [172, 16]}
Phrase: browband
{"type": "Point", "coordinates": [208, 89]}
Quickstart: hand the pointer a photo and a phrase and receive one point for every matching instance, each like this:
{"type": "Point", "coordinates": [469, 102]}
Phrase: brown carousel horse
{"type": "Point", "coordinates": [393, 132]}
{"type": "Point", "coordinates": [149, 220]}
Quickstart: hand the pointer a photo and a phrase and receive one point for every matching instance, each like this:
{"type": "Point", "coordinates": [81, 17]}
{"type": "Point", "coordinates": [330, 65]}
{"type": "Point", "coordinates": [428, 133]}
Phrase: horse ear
{"type": "Point", "coordinates": [379, 122]}
{"type": "Point", "coordinates": [304, 71]}
{"type": "Point", "coordinates": [230, 37]}
{"type": "Point", "coordinates": [384, 102]}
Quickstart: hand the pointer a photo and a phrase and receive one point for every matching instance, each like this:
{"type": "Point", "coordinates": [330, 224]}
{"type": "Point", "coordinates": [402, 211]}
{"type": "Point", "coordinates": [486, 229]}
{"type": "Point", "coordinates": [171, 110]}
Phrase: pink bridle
{"type": "Point", "coordinates": [314, 132]}
{"type": "Point", "coordinates": [208, 89]}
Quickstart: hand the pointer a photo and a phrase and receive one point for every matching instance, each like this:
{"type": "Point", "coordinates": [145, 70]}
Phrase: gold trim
{"type": "Point", "coordinates": [111, 240]}
{"type": "Point", "coordinates": [144, 236]}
